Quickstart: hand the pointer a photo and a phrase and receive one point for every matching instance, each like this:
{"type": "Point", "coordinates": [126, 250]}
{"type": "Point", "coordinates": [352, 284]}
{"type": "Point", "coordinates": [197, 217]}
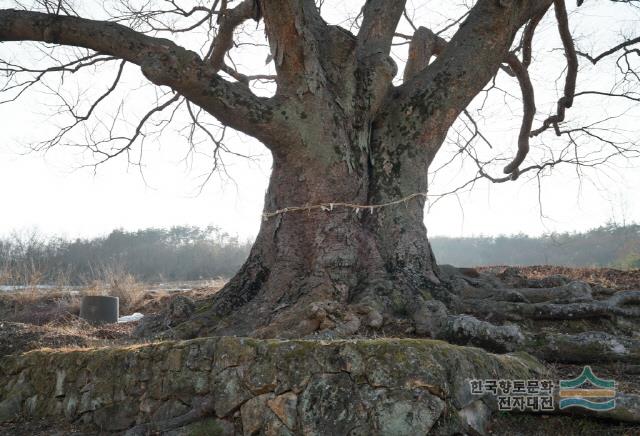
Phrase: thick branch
{"type": "Point", "coordinates": [527, 38]}
{"type": "Point", "coordinates": [228, 21]}
{"type": "Point", "coordinates": [100, 36]}
{"type": "Point", "coordinates": [162, 61]}
{"type": "Point", "coordinates": [379, 21]}
{"type": "Point", "coordinates": [529, 111]}
{"type": "Point", "coordinates": [375, 68]}
{"type": "Point", "coordinates": [434, 98]}
{"type": "Point", "coordinates": [566, 101]}
{"type": "Point", "coordinates": [423, 46]}
{"type": "Point", "coordinates": [294, 29]}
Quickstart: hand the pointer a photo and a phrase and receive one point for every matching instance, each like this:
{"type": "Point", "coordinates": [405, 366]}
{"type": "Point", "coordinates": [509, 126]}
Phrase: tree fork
{"type": "Point", "coordinates": [340, 132]}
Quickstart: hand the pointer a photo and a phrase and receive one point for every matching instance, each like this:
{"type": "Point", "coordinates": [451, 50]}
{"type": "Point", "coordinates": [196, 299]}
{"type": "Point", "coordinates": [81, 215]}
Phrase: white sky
{"type": "Point", "coordinates": [50, 191]}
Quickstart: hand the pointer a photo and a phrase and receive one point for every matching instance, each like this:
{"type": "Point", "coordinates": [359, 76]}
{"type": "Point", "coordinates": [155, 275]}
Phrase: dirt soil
{"type": "Point", "coordinates": [605, 277]}
{"type": "Point", "coordinates": [50, 319]}
{"type": "Point", "coordinates": [31, 320]}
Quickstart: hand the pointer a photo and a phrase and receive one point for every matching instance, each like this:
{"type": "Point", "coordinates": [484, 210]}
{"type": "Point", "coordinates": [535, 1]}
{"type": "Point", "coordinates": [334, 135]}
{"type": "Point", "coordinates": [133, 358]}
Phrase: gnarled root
{"type": "Point", "coordinates": [617, 304]}
{"type": "Point", "coordinates": [465, 329]}
{"type": "Point", "coordinates": [487, 298]}
{"type": "Point", "coordinates": [586, 347]}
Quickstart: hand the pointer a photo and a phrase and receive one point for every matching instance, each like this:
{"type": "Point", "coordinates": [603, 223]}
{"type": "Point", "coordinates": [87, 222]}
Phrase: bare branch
{"type": "Point", "coordinates": [13, 72]}
{"type": "Point", "coordinates": [79, 119]}
{"type": "Point", "coordinates": [129, 141]}
{"type": "Point", "coordinates": [529, 111]}
{"type": "Point", "coordinates": [595, 59]}
{"type": "Point", "coordinates": [147, 20]}
{"type": "Point", "coordinates": [228, 21]}
{"type": "Point", "coordinates": [566, 101]}
{"type": "Point", "coordinates": [162, 61]}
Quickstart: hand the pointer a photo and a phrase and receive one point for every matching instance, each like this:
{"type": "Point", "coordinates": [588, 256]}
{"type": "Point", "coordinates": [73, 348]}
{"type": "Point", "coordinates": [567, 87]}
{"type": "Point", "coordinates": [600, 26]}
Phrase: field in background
{"type": "Point", "coordinates": [178, 254]}
{"type": "Point", "coordinates": [29, 260]}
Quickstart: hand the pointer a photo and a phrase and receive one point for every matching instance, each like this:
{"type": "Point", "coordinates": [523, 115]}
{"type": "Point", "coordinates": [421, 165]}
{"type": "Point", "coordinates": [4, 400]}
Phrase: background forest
{"type": "Point", "coordinates": [193, 253]}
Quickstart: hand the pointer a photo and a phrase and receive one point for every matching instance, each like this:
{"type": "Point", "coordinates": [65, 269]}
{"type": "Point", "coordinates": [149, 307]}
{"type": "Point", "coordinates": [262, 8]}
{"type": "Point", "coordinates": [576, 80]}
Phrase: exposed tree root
{"type": "Point", "coordinates": [520, 302]}
{"type": "Point", "coordinates": [617, 304]}
{"type": "Point", "coordinates": [627, 410]}
{"type": "Point", "coordinates": [573, 291]}
{"type": "Point", "coordinates": [466, 329]}
{"type": "Point", "coordinates": [499, 312]}
{"type": "Point", "coordinates": [586, 347]}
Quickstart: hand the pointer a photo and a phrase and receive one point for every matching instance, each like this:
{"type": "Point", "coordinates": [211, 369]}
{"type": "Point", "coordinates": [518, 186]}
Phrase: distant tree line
{"type": "Point", "coordinates": [194, 253]}
{"type": "Point", "coordinates": [178, 253]}
{"type": "Point", "coordinates": [611, 245]}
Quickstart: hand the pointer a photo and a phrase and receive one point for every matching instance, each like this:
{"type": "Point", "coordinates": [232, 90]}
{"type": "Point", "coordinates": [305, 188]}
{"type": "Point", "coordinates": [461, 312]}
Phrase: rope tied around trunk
{"type": "Point", "coordinates": [328, 207]}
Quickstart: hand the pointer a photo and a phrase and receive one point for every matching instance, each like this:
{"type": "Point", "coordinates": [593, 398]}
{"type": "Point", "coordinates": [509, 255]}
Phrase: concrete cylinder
{"type": "Point", "coordinates": [100, 309]}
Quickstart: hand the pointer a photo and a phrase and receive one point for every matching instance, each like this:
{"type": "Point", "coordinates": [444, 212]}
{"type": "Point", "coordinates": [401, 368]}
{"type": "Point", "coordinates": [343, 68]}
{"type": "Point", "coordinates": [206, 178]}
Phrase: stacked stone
{"type": "Point", "coordinates": [230, 385]}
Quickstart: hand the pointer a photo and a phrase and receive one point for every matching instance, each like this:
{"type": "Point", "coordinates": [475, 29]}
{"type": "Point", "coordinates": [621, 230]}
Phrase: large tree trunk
{"type": "Point", "coordinates": [339, 132]}
{"type": "Point", "coordinates": [352, 137]}
{"type": "Point", "coordinates": [375, 260]}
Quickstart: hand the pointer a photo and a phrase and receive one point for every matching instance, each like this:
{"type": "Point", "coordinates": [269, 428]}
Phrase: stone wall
{"type": "Point", "coordinates": [231, 385]}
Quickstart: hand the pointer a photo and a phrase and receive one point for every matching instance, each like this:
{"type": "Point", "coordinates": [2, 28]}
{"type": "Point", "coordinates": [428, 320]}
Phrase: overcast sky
{"type": "Point", "coordinates": [54, 193]}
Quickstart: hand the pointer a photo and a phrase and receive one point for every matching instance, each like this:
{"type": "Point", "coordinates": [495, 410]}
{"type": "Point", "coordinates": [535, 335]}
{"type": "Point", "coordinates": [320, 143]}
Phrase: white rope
{"type": "Point", "coordinates": [328, 207]}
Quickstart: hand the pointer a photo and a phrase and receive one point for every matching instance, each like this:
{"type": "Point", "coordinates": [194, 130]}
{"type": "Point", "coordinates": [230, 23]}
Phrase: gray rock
{"type": "Point", "coordinates": [252, 413]}
{"type": "Point", "coordinates": [327, 405]}
{"type": "Point", "coordinates": [229, 392]}
{"type": "Point", "coordinates": [407, 413]}
{"type": "Point", "coordinates": [285, 408]}
{"type": "Point", "coordinates": [179, 309]}
{"type": "Point", "coordinates": [115, 417]}
{"type": "Point", "coordinates": [10, 409]}
{"type": "Point", "coordinates": [476, 415]}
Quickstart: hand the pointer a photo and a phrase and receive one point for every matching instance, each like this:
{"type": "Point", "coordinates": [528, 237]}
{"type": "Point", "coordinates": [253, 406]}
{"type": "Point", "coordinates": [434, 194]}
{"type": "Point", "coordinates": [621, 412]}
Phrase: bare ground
{"type": "Point", "coordinates": [37, 319]}
{"type": "Point", "coordinates": [605, 277]}
{"type": "Point", "coordinates": [31, 320]}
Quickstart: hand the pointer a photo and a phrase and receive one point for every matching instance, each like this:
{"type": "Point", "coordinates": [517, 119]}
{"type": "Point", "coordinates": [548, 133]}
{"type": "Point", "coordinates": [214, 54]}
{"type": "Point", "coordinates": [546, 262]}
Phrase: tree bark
{"type": "Point", "coordinates": [376, 260]}
{"type": "Point", "coordinates": [354, 138]}
{"type": "Point", "coordinates": [339, 133]}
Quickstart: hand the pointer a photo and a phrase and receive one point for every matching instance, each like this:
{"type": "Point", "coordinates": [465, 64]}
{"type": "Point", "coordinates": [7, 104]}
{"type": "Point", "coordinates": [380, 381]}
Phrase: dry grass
{"type": "Point", "coordinates": [94, 335]}
{"type": "Point", "coordinates": [5, 274]}
{"type": "Point", "coordinates": [71, 332]}
{"type": "Point", "coordinates": [40, 317]}
{"type": "Point", "coordinates": [38, 307]}
{"type": "Point", "coordinates": [115, 281]}
{"type": "Point", "coordinates": [34, 318]}
{"type": "Point", "coordinates": [606, 277]}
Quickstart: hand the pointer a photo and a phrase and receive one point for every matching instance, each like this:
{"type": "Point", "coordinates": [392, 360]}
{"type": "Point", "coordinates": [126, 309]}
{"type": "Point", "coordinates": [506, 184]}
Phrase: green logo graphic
{"type": "Point", "coordinates": [572, 395]}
